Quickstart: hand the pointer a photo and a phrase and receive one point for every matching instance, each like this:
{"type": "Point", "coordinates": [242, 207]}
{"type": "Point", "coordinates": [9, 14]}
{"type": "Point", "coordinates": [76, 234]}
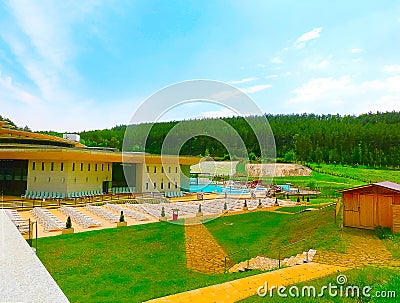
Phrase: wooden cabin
{"type": "Point", "coordinates": [376, 204]}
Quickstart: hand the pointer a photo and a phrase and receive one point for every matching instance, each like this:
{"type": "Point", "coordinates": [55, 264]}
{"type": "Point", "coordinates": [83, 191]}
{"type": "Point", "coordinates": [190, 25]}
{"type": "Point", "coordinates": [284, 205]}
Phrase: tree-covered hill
{"type": "Point", "coordinates": [370, 139]}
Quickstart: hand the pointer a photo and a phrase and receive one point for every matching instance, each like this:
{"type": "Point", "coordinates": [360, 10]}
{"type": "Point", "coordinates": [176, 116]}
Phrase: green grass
{"type": "Point", "coordinates": [295, 209]}
{"type": "Point", "coordinates": [129, 264]}
{"type": "Point", "coordinates": [390, 240]}
{"type": "Point", "coordinates": [264, 232]}
{"type": "Point", "coordinates": [361, 173]}
{"type": "Point", "coordinates": [327, 184]}
{"type": "Point", "coordinates": [379, 279]}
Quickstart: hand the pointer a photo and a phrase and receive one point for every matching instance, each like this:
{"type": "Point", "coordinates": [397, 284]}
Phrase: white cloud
{"type": "Point", "coordinates": [244, 80]}
{"type": "Point", "coordinates": [223, 112]}
{"type": "Point", "coordinates": [256, 88]}
{"type": "Point", "coordinates": [316, 64]}
{"type": "Point", "coordinates": [321, 90]}
{"type": "Point", "coordinates": [303, 39]}
{"type": "Point", "coordinates": [276, 60]}
{"type": "Point", "coordinates": [390, 84]}
{"type": "Point", "coordinates": [392, 68]}
{"type": "Point", "coordinates": [356, 50]}
{"type": "Point", "coordinates": [271, 76]}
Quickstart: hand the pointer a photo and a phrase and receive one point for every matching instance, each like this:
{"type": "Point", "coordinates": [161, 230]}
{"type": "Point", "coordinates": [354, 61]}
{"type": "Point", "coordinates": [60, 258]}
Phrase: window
{"type": "Point", "coordinates": [42, 165]}
{"type": "Point", "coordinates": [176, 170]}
{"type": "Point", "coordinates": [108, 166]}
{"type": "Point", "coordinates": [147, 169]}
{"type": "Point", "coordinates": [162, 169]}
{"type": "Point", "coordinates": [62, 166]}
{"type": "Point", "coordinates": [147, 185]}
{"type": "Point", "coordinates": [155, 169]}
{"type": "Point", "coordinates": [169, 169]}
{"type": "Point", "coordinates": [176, 185]}
{"type": "Point", "coordinates": [169, 185]}
{"type": "Point", "coordinates": [88, 167]}
{"type": "Point", "coordinates": [102, 167]}
{"type": "Point", "coordinates": [33, 165]}
{"type": "Point", "coordinates": [162, 185]}
{"type": "Point", "coordinates": [52, 166]}
{"type": "Point", "coordinates": [81, 166]}
{"type": "Point", "coordinates": [73, 166]}
{"type": "Point", "coordinates": [95, 167]}
{"type": "Point", "coordinates": [154, 185]}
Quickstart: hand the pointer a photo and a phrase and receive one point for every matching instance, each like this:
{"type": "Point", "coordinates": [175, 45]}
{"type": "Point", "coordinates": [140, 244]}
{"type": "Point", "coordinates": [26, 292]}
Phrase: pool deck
{"type": "Point", "coordinates": [23, 278]}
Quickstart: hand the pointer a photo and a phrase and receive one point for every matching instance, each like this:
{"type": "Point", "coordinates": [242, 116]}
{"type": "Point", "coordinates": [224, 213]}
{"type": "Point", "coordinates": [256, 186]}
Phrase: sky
{"type": "Point", "coordinates": [81, 65]}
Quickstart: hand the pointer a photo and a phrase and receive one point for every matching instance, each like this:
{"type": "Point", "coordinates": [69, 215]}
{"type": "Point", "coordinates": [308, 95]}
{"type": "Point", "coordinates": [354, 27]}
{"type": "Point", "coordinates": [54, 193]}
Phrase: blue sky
{"type": "Point", "coordinates": [79, 65]}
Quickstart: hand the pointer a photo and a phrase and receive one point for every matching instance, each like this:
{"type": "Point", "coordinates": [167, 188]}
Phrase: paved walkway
{"type": "Point", "coordinates": [362, 249]}
{"type": "Point", "coordinates": [236, 290]}
{"type": "Point", "coordinates": [203, 253]}
{"type": "Point", "coordinates": [23, 278]}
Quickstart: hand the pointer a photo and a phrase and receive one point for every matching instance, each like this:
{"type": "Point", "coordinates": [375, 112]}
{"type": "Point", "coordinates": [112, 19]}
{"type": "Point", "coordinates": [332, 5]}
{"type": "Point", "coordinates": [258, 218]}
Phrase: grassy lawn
{"type": "Point", "coordinates": [295, 209]}
{"type": "Point", "coordinates": [390, 240]}
{"type": "Point", "coordinates": [129, 264]}
{"type": "Point", "coordinates": [264, 232]}
{"type": "Point", "coordinates": [327, 184]}
{"type": "Point", "coordinates": [361, 173]}
{"type": "Point", "coordinates": [379, 279]}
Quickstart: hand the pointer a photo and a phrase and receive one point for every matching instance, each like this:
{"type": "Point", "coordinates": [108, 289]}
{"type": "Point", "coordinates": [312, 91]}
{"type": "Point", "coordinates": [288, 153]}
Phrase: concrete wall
{"type": "Point", "coordinates": [165, 179]}
{"type": "Point", "coordinates": [69, 178]}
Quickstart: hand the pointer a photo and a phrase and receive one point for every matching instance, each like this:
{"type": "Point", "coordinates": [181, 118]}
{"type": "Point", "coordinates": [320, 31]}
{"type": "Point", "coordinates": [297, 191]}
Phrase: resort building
{"type": "Point", "coordinates": [32, 162]}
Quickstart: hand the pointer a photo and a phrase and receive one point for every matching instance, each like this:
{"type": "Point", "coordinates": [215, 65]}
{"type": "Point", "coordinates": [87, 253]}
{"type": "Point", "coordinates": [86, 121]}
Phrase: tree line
{"type": "Point", "coordinates": [371, 139]}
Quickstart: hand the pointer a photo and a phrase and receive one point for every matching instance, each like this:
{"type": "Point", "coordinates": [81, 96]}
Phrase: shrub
{"type": "Point", "coordinates": [298, 199]}
{"type": "Point", "coordinates": [121, 217]}
{"type": "Point", "coordinates": [162, 212]}
{"type": "Point", "coordinates": [68, 224]}
{"type": "Point", "coordinates": [225, 206]}
{"type": "Point", "coordinates": [308, 199]}
{"type": "Point", "coordinates": [383, 232]}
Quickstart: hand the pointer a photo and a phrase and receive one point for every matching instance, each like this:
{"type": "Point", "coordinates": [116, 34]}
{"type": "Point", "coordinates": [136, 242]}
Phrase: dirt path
{"type": "Point", "coordinates": [363, 249]}
{"type": "Point", "coordinates": [203, 253]}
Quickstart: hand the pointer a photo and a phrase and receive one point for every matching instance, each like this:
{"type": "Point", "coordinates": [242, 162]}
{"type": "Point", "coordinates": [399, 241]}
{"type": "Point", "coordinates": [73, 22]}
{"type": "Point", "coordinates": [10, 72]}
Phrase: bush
{"type": "Point", "coordinates": [308, 199]}
{"type": "Point", "coordinates": [383, 232]}
{"type": "Point", "coordinates": [68, 224]}
{"type": "Point", "coordinates": [225, 206]}
{"type": "Point", "coordinates": [298, 199]}
{"type": "Point", "coordinates": [121, 217]}
{"type": "Point", "coordinates": [162, 212]}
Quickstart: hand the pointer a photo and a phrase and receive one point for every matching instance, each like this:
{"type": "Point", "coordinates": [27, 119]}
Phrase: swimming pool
{"type": "Point", "coordinates": [219, 189]}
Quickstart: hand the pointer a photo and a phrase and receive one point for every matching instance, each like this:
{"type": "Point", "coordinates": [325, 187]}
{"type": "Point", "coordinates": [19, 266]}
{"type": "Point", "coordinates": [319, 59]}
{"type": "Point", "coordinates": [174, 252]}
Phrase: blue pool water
{"type": "Point", "coordinates": [218, 188]}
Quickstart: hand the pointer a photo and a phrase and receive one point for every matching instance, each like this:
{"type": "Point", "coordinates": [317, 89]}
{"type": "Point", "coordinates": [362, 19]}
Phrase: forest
{"type": "Point", "coordinates": [371, 139]}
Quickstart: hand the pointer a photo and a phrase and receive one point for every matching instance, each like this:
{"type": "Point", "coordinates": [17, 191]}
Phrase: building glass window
{"type": "Point", "coordinates": [88, 167]}
{"type": "Point", "coordinates": [108, 166]}
{"type": "Point", "coordinates": [102, 167]}
{"type": "Point", "coordinates": [155, 169]}
{"type": "Point", "coordinates": [147, 185]}
{"type": "Point", "coordinates": [33, 165]}
{"type": "Point", "coordinates": [176, 185]}
{"type": "Point", "coordinates": [162, 169]}
{"type": "Point", "coordinates": [81, 166]}
{"type": "Point", "coordinates": [73, 166]}
{"type": "Point", "coordinates": [62, 166]}
{"type": "Point", "coordinates": [154, 185]}
{"type": "Point", "coordinates": [176, 170]}
{"type": "Point", "coordinates": [52, 166]}
{"type": "Point", "coordinates": [95, 167]}
{"type": "Point", "coordinates": [147, 169]}
{"type": "Point", "coordinates": [169, 185]}
{"type": "Point", "coordinates": [169, 169]}
{"type": "Point", "coordinates": [162, 185]}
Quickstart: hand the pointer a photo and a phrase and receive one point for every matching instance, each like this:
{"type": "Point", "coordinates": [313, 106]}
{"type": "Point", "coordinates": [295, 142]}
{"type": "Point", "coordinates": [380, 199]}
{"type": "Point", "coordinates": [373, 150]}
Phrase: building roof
{"type": "Point", "coordinates": [25, 137]}
{"type": "Point", "coordinates": [384, 184]}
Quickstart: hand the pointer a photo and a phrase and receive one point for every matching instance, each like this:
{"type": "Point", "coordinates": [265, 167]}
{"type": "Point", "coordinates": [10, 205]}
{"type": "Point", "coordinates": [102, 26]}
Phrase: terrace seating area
{"type": "Point", "coordinates": [23, 225]}
{"type": "Point", "coordinates": [123, 190]}
{"type": "Point", "coordinates": [101, 212]}
{"type": "Point", "coordinates": [49, 221]}
{"type": "Point", "coordinates": [39, 195]}
{"type": "Point", "coordinates": [79, 217]}
{"type": "Point", "coordinates": [84, 194]}
{"type": "Point", "coordinates": [174, 194]}
{"type": "Point", "coordinates": [127, 212]}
